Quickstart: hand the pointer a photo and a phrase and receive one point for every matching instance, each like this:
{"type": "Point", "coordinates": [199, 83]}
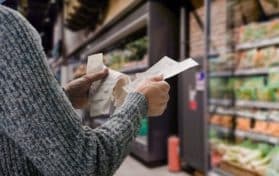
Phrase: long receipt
{"type": "Point", "coordinates": [166, 66]}
{"type": "Point", "coordinates": [110, 93]}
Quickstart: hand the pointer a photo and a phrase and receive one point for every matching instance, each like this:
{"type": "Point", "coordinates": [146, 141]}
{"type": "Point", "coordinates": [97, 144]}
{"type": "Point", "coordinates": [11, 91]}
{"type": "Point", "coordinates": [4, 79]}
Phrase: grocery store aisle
{"type": "Point", "coordinates": [135, 168]}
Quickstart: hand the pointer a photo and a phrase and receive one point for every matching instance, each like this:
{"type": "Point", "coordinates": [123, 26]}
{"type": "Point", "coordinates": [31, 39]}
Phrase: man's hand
{"type": "Point", "coordinates": [78, 89]}
{"type": "Point", "coordinates": [156, 91]}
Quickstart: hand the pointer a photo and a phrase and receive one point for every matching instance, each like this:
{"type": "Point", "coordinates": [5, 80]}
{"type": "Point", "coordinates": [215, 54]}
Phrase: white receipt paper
{"type": "Point", "coordinates": [106, 94]}
{"type": "Point", "coordinates": [166, 66]}
{"type": "Point", "coordinates": [111, 92]}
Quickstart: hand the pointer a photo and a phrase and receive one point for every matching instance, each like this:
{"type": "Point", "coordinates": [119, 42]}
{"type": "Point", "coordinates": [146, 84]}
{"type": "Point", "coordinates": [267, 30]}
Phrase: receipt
{"type": "Point", "coordinates": [106, 94]}
{"type": "Point", "coordinates": [166, 66]}
{"type": "Point", "coordinates": [111, 92]}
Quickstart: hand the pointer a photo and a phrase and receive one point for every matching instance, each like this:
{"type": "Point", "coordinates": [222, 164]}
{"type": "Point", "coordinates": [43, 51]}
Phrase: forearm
{"type": "Point", "coordinates": [115, 135]}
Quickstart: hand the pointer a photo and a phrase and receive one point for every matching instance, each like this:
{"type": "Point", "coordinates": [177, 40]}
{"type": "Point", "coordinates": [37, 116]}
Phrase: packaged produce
{"type": "Point", "coordinates": [273, 79]}
{"type": "Point", "coordinates": [215, 119]}
{"type": "Point", "coordinates": [274, 115]}
{"type": "Point", "coordinates": [274, 58]}
{"type": "Point", "coordinates": [219, 88]}
{"type": "Point", "coordinates": [246, 93]}
{"type": "Point", "coordinates": [260, 126]}
{"type": "Point", "coordinates": [222, 120]}
{"type": "Point", "coordinates": [273, 129]}
{"type": "Point", "coordinates": [273, 28]}
{"type": "Point", "coordinates": [226, 121]}
{"type": "Point", "coordinates": [246, 59]}
{"type": "Point", "coordinates": [273, 167]}
{"type": "Point", "coordinates": [264, 94]}
{"type": "Point", "coordinates": [275, 94]}
{"type": "Point", "coordinates": [259, 59]}
{"type": "Point", "coordinates": [246, 89]}
{"type": "Point", "coordinates": [127, 56]}
{"type": "Point", "coordinates": [243, 124]}
{"type": "Point", "coordinates": [253, 32]}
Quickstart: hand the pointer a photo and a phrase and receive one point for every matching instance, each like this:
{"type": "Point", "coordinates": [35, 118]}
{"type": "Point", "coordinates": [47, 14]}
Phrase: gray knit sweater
{"type": "Point", "coordinates": [40, 133]}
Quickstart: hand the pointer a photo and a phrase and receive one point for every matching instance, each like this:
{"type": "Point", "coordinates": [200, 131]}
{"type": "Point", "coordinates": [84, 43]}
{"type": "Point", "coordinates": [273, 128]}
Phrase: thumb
{"type": "Point", "coordinates": [157, 78]}
{"type": "Point", "coordinates": [91, 77]}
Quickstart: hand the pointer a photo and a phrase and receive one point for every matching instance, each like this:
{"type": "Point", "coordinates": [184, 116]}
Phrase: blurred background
{"type": "Point", "coordinates": [222, 118]}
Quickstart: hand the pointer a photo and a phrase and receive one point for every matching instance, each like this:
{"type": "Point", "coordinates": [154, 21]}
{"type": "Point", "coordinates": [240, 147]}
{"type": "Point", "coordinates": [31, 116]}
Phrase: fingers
{"type": "Point", "coordinates": [164, 86]}
{"type": "Point", "coordinates": [96, 76]}
{"type": "Point", "coordinates": [157, 78]}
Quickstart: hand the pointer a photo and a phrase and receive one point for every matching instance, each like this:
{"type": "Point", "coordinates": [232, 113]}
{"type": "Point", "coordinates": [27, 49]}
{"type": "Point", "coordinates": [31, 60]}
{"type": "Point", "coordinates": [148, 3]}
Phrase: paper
{"type": "Point", "coordinates": [107, 94]}
{"type": "Point", "coordinates": [111, 92]}
{"type": "Point", "coordinates": [166, 66]}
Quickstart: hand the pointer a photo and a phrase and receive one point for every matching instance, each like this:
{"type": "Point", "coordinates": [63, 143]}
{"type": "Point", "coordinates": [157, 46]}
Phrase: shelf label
{"type": "Point", "coordinates": [200, 81]}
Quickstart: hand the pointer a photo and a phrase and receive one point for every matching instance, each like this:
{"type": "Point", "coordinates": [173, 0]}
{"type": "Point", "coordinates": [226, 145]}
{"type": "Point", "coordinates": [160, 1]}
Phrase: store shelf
{"type": "Point", "coordinates": [220, 129]}
{"type": "Point", "coordinates": [219, 172]}
{"type": "Point", "coordinates": [257, 136]}
{"type": "Point", "coordinates": [257, 104]}
{"type": "Point", "coordinates": [251, 115]}
{"type": "Point", "coordinates": [254, 71]}
{"type": "Point", "coordinates": [222, 102]}
{"type": "Point", "coordinates": [141, 140]}
{"type": "Point", "coordinates": [221, 74]}
{"type": "Point", "coordinates": [258, 44]}
{"type": "Point", "coordinates": [129, 24]}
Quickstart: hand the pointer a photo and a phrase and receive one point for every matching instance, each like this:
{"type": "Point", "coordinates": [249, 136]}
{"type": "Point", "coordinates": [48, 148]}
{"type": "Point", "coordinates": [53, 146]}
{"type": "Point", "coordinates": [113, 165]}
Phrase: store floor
{"type": "Point", "coordinates": [132, 167]}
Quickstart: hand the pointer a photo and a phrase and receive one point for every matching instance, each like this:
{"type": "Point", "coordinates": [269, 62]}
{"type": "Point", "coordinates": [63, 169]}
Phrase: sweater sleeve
{"type": "Point", "coordinates": [36, 114]}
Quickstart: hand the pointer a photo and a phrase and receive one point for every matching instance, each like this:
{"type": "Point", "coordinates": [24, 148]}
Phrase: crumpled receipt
{"type": "Point", "coordinates": [111, 92]}
{"type": "Point", "coordinates": [106, 94]}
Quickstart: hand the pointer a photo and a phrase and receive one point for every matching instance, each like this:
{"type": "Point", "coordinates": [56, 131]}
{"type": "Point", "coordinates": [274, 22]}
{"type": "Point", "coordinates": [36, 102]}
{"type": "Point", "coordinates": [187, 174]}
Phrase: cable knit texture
{"type": "Point", "coordinates": [40, 133]}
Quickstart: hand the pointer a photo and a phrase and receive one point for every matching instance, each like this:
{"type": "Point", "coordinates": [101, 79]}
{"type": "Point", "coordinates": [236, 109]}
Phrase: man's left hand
{"type": "Point", "coordinates": [78, 89]}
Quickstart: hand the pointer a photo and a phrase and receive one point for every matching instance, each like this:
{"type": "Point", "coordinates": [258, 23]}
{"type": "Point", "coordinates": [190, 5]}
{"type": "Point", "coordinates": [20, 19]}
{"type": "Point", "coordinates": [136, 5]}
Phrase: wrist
{"type": "Point", "coordinates": [65, 91]}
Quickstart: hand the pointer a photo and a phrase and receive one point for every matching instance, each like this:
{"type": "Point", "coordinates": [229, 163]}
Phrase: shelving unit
{"type": "Point", "coordinates": [220, 129]}
{"type": "Point", "coordinates": [254, 115]}
{"type": "Point", "coordinates": [246, 134]}
{"type": "Point", "coordinates": [244, 72]}
{"type": "Point", "coordinates": [258, 44]}
{"type": "Point", "coordinates": [257, 104]}
{"type": "Point", "coordinates": [257, 137]}
{"type": "Point", "coordinates": [222, 102]}
{"type": "Point", "coordinates": [221, 74]}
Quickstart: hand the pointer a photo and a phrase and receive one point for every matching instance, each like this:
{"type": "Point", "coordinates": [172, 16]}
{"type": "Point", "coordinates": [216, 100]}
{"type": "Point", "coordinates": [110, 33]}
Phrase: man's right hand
{"type": "Point", "coordinates": [156, 91]}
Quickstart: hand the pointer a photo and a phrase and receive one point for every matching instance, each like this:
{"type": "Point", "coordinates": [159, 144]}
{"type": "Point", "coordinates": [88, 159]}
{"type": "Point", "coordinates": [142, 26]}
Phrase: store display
{"type": "Point", "coordinates": [258, 31]}
{"type": "Point", "coordinates": [220, 88]}
{"type": "Point", "coordinates": [132, 55]}
{"type": "Point", "coordinates": [222, 63]}
{"type": "Point", "coordinates": [248, 155]}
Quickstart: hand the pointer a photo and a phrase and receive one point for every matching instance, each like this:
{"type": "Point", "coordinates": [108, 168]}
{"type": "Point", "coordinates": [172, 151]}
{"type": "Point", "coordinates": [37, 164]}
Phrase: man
{"type": "Point", "coordinates": [40, 133]}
